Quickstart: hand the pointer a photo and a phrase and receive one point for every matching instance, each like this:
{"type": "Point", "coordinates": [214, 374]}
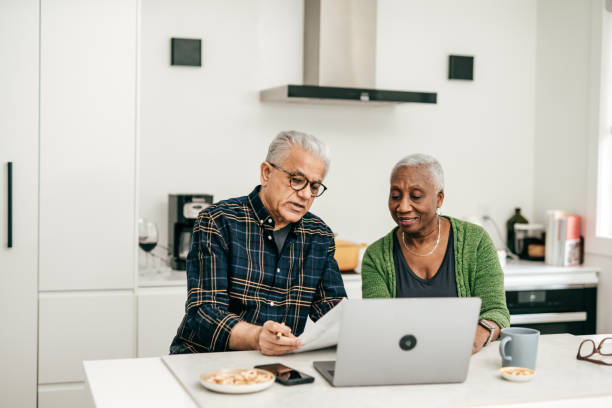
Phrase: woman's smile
{"type": "Point", "coordinates": [406, 221]}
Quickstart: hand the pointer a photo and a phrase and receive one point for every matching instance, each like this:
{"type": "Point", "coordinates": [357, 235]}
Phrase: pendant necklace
{"type": "Point", "coordinates": [430, 252]}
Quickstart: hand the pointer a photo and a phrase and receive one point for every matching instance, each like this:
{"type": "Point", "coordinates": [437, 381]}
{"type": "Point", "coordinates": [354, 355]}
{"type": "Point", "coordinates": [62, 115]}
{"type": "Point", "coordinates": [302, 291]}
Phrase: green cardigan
{"type": "Point", "coordinates": [477, 270]}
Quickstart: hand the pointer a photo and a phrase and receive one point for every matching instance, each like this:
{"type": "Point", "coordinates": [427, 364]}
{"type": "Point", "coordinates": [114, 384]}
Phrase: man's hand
{"type": "Point", "coordinates": [276, 338]}
{"type": "Point", "coordinates": [481, 337]}
{"type": "Point", "coordinates": [271, 339]}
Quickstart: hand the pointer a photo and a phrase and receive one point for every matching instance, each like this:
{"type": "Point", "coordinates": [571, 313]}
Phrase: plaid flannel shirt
{"type": "Point", "coordinates": [235, 273]}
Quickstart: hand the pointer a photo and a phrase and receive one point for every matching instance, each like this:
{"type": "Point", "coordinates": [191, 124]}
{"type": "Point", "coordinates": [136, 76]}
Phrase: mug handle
{"type": "Point", "coordinates": [502, 348]}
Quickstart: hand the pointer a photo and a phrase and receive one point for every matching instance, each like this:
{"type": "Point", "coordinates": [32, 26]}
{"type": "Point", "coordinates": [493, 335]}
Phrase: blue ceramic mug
{"type": "Point", "coordinates": [519, 347]}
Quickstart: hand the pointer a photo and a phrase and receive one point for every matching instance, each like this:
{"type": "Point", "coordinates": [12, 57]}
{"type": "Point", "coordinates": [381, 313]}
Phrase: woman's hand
{"type": "Point", "coordinates": [480, 339]}
{"type": "Point", "coordinates": [482, 335]}
{"type": "Point", "coordinates": [275, 338]}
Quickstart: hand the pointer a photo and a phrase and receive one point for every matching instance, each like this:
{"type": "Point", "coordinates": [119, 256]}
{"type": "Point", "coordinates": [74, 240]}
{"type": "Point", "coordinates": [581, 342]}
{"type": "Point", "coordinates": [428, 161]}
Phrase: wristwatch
{"type": "Point", "coordinates": [489, 326]}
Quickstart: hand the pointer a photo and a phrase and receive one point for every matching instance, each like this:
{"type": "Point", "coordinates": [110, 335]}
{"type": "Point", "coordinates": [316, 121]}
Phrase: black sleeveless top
{"type": "Point", "coordinates": [443, 284]}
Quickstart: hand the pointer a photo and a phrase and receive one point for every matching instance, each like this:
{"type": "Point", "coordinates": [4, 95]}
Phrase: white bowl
{"type": "Point", "coordinates": [518, 374]}
{"type": "Point", "coordinates": [237, 388]}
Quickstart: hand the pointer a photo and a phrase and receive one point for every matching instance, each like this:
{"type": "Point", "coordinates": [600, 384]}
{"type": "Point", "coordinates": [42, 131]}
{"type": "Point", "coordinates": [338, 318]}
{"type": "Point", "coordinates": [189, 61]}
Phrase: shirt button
{"type": "Point", "coordinates": [269, 220]}
{"type": "Point", "coordinates": [271, 303]}
{"type": "Point", "coordinates": [269, 236]}
{"type": "Point", "coordinates": [277, 269]}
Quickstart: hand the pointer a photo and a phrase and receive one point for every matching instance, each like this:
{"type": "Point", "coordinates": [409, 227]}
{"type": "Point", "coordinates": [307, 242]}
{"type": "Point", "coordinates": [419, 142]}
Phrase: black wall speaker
{"type": "Point", "coordinates": [186, 51]}
{"type": "Point", "coordinates": [460, 67]}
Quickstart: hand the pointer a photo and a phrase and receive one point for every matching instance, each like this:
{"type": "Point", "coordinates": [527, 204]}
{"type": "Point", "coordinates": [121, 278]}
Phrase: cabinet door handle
{"type": "Point", "coordinates": [10, 205]}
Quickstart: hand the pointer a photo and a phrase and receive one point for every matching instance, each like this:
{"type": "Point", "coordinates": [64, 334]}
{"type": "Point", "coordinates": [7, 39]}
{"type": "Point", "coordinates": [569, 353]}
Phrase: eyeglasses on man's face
{"type": "Point", "coordinates": [299, 182]}
{"type": "Point", "coordinates": [587, 349]}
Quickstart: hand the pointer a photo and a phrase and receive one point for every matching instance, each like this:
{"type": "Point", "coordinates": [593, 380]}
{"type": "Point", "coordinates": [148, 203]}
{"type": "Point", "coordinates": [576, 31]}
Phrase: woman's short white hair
{"type": "Point", "coordinates": [283, 143]}
{"type": "Point", "coordinates": [419, 159]}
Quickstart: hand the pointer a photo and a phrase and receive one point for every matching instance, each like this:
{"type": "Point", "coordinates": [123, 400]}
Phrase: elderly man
{"type": "Point", "coordinates": [259, 265]}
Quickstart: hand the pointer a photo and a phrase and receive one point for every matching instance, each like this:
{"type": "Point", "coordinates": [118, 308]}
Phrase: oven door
{"type": "Point", "coordinates": [552, 311]}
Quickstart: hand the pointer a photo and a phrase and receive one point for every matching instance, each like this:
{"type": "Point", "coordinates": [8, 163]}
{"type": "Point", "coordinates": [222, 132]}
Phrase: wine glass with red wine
{"type": "Point", "coordinates": [147, 237]}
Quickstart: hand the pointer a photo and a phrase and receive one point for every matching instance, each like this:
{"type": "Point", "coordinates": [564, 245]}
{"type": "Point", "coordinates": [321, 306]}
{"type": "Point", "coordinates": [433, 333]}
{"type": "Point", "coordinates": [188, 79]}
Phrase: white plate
{"type": "Point", "coordinates": [237, 388]}
{"type": "Point", "coordinates": [514, 374]}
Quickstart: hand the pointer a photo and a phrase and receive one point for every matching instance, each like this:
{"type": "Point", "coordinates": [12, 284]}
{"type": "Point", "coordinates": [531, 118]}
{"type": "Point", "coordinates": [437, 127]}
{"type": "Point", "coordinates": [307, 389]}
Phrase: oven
{"type": "Point", "coordinates": [551, 311]}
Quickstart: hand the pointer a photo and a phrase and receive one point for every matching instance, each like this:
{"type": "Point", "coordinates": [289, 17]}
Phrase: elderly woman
{"type": "Point", "coordinates": [428, 255]}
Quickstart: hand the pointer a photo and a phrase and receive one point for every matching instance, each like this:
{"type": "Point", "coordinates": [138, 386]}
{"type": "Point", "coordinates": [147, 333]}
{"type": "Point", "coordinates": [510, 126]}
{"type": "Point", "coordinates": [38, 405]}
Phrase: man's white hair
{"type": "Point", "coordinates": [283, 143]}
{"type": "Point", "coordinates": [419, 159]}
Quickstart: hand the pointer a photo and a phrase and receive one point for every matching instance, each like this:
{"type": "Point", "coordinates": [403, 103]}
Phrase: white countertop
{"type": "Point", "coordinates": [529, 275]}
{"type": "Point", "coordinates": [166, 277]}
{"type": "Point", "coordinates": [518, 275]}
{"type": "Point", "coordinates": [521, 267]}
{"type": "Point", "coordinates": [147, 382]}
{"type": "Point", "coordinates": [136, 382]}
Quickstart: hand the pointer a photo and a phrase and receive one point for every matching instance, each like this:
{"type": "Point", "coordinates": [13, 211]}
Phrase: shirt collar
{"type": "Point", "coordinates": [261, 213]}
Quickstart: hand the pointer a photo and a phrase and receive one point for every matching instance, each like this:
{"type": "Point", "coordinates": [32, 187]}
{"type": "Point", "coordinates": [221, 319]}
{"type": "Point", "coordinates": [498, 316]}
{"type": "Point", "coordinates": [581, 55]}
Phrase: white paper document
{"type": "Point", "coordinates": [323, 333]}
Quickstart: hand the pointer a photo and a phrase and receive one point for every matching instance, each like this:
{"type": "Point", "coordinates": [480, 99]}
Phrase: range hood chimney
{"type": "Point", "coordinates": [340, 58]}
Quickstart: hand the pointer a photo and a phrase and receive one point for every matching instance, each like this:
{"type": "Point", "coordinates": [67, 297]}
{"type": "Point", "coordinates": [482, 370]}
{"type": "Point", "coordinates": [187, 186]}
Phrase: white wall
{"type": "Point", "coordinates": [568, 56]}
{"type": "Point", "coordinates": [562, 105]}
{"type": "Point", "coordinates": [204, 130]}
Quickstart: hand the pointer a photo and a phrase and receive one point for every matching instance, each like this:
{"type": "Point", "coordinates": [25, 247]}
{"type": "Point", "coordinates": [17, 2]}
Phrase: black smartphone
{"type": "Point", "coordinates": [286, 375]}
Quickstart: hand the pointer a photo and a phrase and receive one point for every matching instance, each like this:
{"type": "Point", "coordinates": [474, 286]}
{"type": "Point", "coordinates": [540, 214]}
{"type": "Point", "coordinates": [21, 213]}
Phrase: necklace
{"type": "Point", "coordinates": [432, 250]}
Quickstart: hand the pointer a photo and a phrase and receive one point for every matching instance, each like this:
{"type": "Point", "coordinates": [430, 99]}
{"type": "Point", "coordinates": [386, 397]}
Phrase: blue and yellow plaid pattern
{"type": "Point", "coordinates": [235, 273]}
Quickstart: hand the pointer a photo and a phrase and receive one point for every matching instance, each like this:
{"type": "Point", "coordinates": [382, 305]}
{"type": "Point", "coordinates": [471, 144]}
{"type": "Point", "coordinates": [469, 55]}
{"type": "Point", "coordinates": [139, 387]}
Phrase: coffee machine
{"type": "Point", "coordinates": [183, 210]}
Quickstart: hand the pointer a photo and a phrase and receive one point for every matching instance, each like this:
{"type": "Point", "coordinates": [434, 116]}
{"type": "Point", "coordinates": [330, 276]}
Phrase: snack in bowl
{"type": "Point", "coordinates": [238, 380]}
{"type": "Point", "coordinates": [520, 374]}
{"type": "Point", "coordinates": [244, 377]}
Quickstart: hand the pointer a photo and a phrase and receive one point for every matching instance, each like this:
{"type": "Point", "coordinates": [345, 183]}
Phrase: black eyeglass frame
{"type": "Point", "coordinates": [308, 182]}
{"type": "Point", "coordinates": [596, 350]}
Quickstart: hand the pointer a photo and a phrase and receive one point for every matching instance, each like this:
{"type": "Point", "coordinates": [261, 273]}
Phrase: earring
{"type": "Point", "coordinates": [438, 210]}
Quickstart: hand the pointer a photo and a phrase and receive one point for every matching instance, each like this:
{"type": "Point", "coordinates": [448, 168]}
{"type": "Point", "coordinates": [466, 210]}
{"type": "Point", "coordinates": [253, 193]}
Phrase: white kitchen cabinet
{"type": "Point", "coordinates": [77, 62]}
{"type": "Point", "coordinates": [87, 144]}
{"type": "Point", "coordinates": [160, 311]}
{"type": "Point", "coordinates": [352, 285]}
{"type": "Point", "coordinates": [64, 396]}
{"type": "Point", "coordinates": [19, 70]}
{"type": "Point", "coordinates": [83, 326]}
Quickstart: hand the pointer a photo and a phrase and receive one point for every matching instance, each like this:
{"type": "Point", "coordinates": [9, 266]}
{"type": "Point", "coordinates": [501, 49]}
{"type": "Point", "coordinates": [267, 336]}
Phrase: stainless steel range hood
{"type": "Point", "coordinates": [340, 58]}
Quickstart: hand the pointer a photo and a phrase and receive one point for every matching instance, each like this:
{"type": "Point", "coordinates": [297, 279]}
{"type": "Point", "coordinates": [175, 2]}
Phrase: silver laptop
{"type": "Point", "coordinates": [403, 341]}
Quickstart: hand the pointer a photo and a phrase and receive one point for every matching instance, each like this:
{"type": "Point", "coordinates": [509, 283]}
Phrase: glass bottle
{"type": "Point", "coordinates": [517, 218]}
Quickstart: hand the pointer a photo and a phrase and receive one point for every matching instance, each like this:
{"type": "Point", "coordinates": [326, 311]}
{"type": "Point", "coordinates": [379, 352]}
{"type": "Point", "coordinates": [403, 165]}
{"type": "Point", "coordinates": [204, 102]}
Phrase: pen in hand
{"type": "Point", "coordinates": [279, 334]}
